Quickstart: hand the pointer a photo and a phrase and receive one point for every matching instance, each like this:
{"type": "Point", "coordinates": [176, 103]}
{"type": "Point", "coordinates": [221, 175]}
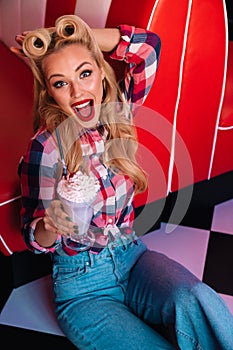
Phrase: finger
{"type": "Point", "coordinates": [19, 39]}
{"type": "Point", "coordinates": [56, 210]}
{"type": "Point", "coordinates": [17, 51]}
{"type": "Point", "coordinates": [61, 222]}
{"type": "Point", "coordinates": [54, 227]}
{"type": "Point", "coordinates": [61, 227]}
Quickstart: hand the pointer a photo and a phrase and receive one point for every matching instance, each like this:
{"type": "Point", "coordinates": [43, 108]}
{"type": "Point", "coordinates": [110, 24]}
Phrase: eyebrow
{"type": "Point", "coordinates": [61, 75]}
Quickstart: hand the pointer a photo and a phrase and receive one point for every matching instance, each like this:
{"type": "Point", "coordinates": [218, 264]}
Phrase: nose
{"type": "Point", "coordinates": [76, 89]}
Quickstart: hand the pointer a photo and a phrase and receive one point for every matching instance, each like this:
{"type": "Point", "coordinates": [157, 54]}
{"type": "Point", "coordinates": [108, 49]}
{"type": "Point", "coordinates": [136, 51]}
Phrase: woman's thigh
{"type": "Point", "coordinates": [89, 298]}
{"type": "Point", "coordinates": [103, 324]}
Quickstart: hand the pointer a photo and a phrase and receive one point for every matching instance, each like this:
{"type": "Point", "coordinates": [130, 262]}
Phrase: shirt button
{"type": "Point", "coordinates": [109, 221]}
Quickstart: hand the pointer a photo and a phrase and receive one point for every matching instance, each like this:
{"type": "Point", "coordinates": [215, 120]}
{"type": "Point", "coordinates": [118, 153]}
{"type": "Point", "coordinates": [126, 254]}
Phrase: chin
{"type": "Point", "coordinates": [88, 124]}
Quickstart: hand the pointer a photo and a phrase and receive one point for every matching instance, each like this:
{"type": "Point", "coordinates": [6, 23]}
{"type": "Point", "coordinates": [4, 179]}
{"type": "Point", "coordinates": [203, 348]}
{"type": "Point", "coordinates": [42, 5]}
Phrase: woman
{"type": "Point", "coordinates": [110, 291]}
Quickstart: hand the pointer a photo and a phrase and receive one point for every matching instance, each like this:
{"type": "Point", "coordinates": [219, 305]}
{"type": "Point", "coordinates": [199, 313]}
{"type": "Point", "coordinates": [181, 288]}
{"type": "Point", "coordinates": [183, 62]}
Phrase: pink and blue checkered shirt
{"type": "Point", "coordinates": [113, 209]}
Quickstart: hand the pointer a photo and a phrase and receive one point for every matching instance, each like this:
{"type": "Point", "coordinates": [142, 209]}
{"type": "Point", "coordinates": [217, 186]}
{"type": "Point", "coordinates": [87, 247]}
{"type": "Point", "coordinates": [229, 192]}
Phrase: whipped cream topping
{"type": "Point", "coordinates": [79, 188]}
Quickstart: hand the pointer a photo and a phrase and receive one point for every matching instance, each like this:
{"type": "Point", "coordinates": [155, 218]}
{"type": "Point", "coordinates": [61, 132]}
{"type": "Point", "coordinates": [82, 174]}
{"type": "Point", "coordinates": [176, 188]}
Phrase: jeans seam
{"type": "Point", "coordinates": [194, 342]}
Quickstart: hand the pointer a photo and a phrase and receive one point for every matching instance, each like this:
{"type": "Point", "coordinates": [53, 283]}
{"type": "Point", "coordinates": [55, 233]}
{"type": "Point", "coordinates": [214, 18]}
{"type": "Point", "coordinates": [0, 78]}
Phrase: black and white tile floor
{"type": "Point", "coordinates": [208, 253]}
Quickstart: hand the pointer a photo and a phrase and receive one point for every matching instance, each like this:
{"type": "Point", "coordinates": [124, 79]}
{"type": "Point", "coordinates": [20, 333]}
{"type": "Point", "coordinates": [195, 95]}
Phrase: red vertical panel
{"type": "Point", "coordinates": [223, 155]}
{"type": "Point", "coordinates": [57, 8]}
{"type": "Point", "coordinates": [201, 88]}
{"type": "Point", "coordinates": [15, 131]}
{"type": "Point", "coordinates": [136, 13]}
{"type": "Point", "coordinates": [226, 117]}
{"type": "Point", "coordinates": [16, 109]}
{"type": "Point", "coordinates": [153, 149]}
{"type": "Point", "coordinates": [169, 22]}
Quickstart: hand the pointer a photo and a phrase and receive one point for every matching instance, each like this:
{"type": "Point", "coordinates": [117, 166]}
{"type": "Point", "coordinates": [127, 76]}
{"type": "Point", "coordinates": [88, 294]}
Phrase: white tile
{"type": "Point", "coordinates": [223, 217]}
{"type": "Point", "coordinates": [228, 300]}
{"type": "Point", "coordinates": [186, 245]}
{"type": "Point", "coordinates": [30, 306]}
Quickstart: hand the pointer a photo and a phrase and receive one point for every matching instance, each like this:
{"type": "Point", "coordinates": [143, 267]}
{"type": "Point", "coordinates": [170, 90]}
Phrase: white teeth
{"type": "Point", "coordinates": [83, 104]}
{"type": "Point", "coordinates": [84, 109]}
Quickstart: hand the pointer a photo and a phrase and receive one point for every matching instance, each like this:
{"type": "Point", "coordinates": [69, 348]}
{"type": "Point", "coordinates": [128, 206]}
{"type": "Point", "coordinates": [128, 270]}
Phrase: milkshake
{"type": "Point", "coordinates": [77, 194]}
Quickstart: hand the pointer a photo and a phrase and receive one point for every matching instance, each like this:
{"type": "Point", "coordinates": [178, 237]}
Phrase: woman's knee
{"type": "Point", "coordinates": [162, 284]}
{"type": "Point", "coordinates": [165, 274]}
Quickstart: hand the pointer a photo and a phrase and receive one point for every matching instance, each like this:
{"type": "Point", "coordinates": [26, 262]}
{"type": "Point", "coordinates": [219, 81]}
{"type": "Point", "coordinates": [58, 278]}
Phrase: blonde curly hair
{"type": "Point", "coordinates": [121, 143]}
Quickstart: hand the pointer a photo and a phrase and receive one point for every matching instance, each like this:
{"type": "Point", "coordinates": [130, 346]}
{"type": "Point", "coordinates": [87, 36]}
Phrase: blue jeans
{"type": "Point", "coordinates": [128, 297]}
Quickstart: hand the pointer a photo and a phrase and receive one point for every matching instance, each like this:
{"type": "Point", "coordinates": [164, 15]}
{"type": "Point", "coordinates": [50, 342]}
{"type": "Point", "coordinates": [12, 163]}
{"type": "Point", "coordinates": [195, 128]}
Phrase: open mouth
{"type": "Point", "coordinates": [84, 110]}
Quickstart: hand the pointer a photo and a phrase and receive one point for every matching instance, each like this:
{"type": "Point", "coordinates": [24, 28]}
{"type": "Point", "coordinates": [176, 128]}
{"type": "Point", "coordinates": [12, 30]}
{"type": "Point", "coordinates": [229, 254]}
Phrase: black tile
{"type": "Point", "coordinates": [27, 339]}
{"type": "Point", "coordinates": [204, 196]}
{"type": "Point", "coordinates": [27, 267]}
{"type": "Point", "coordinates": [6, 279]}
{"type": "Point", "coordinates": [21, 268]}
{"type": "Point", "coordinates": [218, 271]}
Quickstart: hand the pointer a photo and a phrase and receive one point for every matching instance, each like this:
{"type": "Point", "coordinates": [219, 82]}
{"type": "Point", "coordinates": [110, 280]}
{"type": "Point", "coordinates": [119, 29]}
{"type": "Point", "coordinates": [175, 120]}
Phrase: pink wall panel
{"type": "Point", "coordinates": [17, 16]}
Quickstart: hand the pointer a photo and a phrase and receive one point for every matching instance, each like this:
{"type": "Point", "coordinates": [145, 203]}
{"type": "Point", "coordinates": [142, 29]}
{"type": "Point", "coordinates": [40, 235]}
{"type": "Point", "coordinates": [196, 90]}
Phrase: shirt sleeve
{"type": "Point", "coordinates": [140, 49]}
{"type": "Point", "coordinates": [37, 172]}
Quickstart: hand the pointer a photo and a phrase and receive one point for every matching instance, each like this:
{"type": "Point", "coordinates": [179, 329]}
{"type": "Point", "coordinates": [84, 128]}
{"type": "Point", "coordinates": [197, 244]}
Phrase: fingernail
{"type": "Point", "coordinates": [76, 231]}
{"type": "Point", "coordinates": [68, 218]}
{"type": "Point", "coordinates": [75, 227]}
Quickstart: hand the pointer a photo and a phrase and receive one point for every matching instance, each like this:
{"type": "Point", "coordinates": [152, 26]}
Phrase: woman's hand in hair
{"type": "Point", "coordinates": [19, 38]}
{"type": "Point", "coordinates": [107, 38]}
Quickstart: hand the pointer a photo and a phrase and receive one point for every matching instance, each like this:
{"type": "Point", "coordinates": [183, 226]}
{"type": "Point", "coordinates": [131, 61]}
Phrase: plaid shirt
{"type": "Point", "coordinates": [113, 209]}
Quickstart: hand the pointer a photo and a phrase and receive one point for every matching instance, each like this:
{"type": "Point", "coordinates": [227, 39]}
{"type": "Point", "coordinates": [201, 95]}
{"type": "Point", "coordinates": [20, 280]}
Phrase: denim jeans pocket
{"type": "Point", "coordinates": [66, 280]}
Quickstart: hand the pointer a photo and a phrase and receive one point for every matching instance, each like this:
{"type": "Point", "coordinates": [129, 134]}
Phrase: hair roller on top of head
{"type": "Point", "coordinates": [36, 43]}
{"type": "Point", "coordinates": [67, 26]}
{"type": "Point", "coordinates": [72, 27]}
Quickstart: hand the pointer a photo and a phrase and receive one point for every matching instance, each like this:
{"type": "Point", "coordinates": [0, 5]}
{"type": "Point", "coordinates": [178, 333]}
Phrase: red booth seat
{"type": "Point", "coordinates": [16, 128]}
{"type": "Point", "coordinates": [185, 129]}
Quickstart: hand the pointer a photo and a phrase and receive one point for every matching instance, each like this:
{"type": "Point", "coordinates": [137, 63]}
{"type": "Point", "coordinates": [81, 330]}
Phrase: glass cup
{"type": "Point", "coordinates": [81, 215]}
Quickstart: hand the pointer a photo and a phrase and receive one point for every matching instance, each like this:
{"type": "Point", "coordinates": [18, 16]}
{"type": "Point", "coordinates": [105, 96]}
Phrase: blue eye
{"type": "Point", "coordinates": [59, 84]}
{"type": "Point", "coordinates": [85, 73]}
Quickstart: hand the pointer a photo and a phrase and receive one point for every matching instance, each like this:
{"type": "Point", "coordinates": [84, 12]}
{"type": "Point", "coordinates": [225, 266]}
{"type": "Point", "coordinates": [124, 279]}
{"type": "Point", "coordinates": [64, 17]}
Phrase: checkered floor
{"type": "Point", "coordinates": [207, 253]}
